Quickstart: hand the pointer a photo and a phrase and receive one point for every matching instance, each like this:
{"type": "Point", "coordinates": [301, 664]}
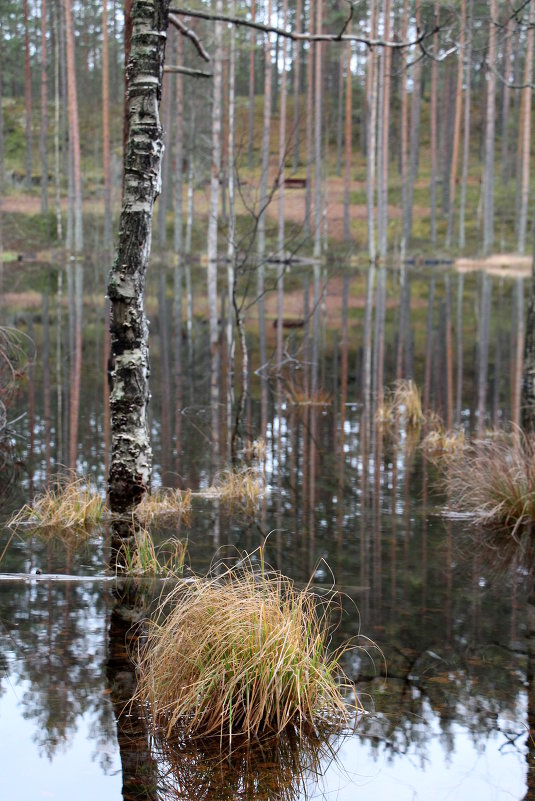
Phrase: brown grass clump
{"type": "Point", "coordinates": [234, 487]}
{"type": "Point", "coordinates": [384, 412]}
{"type": "Point", "coordinates": [165, 504]}
{"type": "Point", "coordinates": [494, 482]}
{"type": "Point", "coordinates": [70, 507]}
{"type": "Point", "coordinates": [242, 654]}
{"type": "Point", "coordinates": [441, 444]}
{"type": "Point", "coordinates": [407, 402]}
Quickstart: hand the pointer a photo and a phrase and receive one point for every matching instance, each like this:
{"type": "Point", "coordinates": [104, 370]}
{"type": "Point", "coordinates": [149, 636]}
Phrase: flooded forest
{"type": "Point", "coordinates": [267, 400]}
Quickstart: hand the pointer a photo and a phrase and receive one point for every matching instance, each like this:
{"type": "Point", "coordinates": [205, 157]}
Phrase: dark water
{"type": "Point", "coordinates": [448, 686]}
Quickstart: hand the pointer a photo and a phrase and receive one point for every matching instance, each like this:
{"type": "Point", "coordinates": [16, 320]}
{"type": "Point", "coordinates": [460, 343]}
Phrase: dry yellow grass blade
{"type": "Point", "coordinates": [242, 654]}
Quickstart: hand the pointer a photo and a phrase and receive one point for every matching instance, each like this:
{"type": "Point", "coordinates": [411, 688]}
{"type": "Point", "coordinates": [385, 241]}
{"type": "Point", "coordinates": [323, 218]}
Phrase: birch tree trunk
{"type": "Point", "coordinates": [44, 113]}
{"type": "Point", "coordinates": [488, 176]}
{"type": "Point", "coordinates": [130, 470]}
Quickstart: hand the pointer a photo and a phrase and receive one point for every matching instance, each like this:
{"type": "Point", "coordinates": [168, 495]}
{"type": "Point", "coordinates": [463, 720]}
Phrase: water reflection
{"type": "Point", "coordinates": [455, 640]}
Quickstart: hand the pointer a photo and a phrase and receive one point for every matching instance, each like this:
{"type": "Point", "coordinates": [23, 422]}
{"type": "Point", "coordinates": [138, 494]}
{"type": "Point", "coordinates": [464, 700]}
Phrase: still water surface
{"type": "Point", "coordinates": [448, 686]}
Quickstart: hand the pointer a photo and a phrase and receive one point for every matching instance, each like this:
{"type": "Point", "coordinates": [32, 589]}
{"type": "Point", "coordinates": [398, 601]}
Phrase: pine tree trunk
{"type": "Point", "coordinates": [57, 173]}
{"type": "Point", "coordinates": [106, 127]}
{"type": "Point", "coordinates": [433, 122]}
{"type": "Point", "coordinates": [179, 151]}
{"type": "Point", "coordinates": [2, 156]}
{"type": "Point", "coordinates": [457, 129]}
{"type": "Point", "coordinates": [318, 208]}
{"type": "Point", "coordinates": [348, 148]}
{"type": "Point", "coordinates": [404, 145]}
{"type": "Point", "coordinates": [231, 250]}
{"type": "Point", "coordinates": [282, 136]}
{"type": "Point", "coordinates": [371, 102]}
{"type": "Point", "coordinates": [297, 81]}
{"type": "Point", "coordinates": [74, 129]}
{"type": "Point", "coordinates": [382, 234]}
{"type": "Point", "coordinates": [414, 145]}
{"type": "Point", "coordinates": [526, 131]}
{"type": "Point", "coordinates": [261, 230]}
{"type": "Point", "coordinates": [130, 470]}
{"type": "Point", "coordinates": [215, 175]}
{"type": "Point", "coordinates": [309, 129]}
{"type": "Point", "coordinates": [506, 99]}
{"type": "Point", "coordinates": [488, 177]}
{"type": "Point", "coordinates": [28, 98]}
{"type": "Point", "coordinates": [252, 49]}
{"type": "Point", "coordinates": [44, 114]}
{"type": "Point", "coordinates": [466, 133]}
{"type": "Point", "coordinates": [528, 373]}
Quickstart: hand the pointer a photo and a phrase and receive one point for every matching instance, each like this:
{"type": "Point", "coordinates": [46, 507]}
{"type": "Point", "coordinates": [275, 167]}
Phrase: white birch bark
{"type": "Point", "coordinates": [131, 457]}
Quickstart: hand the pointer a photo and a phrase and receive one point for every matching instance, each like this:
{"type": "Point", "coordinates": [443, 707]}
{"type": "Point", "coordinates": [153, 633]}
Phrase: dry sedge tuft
{"type": "Point", "coordinates": [494, 482]}
{"type": "Point", "coordinates": [407, 402]}
{"type": "Point", "coordinates": [165, 504]}
{"type": "Point", "coordinates": [242, 654]}
{"type": "Point", "coordinates": [234, 487]}
{"type": "Point", "coordinates": [72, 506]}
{"type": "Point", "coordinates": [443, 445]}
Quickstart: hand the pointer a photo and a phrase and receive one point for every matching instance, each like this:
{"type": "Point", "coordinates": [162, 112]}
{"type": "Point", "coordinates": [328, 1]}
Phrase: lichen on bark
{"type": "Point", "coordinates": [131, 456]}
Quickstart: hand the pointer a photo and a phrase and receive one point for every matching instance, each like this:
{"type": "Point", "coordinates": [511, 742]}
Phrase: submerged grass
{"type": "Point", "coordinates": [70, 507]}
{"type": "Point", "coordinates": [493, 481]}
{"type": "Point", "coordinates": [242, 654]}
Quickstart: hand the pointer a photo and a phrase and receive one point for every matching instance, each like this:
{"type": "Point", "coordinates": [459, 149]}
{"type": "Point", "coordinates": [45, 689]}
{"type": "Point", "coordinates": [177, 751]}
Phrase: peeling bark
{"type": "Point", "coordinates": [131, 458]}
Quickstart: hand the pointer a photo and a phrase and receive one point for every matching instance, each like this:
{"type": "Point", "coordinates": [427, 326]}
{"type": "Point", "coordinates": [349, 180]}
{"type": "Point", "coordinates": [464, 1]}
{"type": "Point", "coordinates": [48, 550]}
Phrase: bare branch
{"type": "Point", "coordinates": [191, 35]}
{"type": "Point", "coordinates": [506, 82]}
{"type": "Point", "coordinates": [187, 71]}
{"type": "Point", "coordinates": [305, 37]}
